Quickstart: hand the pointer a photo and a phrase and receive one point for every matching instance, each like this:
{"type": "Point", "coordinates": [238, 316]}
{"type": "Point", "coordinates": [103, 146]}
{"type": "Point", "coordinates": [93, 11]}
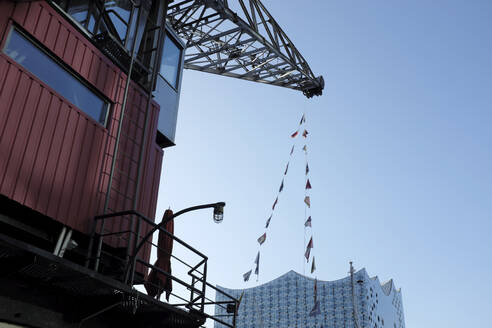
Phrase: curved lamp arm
{"type": "Point", "coordinates": [163, 222]}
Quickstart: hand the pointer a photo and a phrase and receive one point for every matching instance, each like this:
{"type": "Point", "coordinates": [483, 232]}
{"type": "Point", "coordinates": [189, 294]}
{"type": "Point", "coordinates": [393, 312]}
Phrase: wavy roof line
{"type": "Point", "coordinates": [387, 287]}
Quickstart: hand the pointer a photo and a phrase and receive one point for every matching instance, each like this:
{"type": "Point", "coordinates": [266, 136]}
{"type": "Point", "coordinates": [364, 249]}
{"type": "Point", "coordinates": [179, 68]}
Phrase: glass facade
{"type": "Point", "coordinates": [288, 301]}
{"type": "Point", "coordinates": [119, 11]}
{"type": "Point", "coordinates": [118, 17]}
{"type": "Point", "coordinates": [36, 61]}
{"type": "Point", "coordinates": [86, 13]}
{"type": "Point", "coordinates": [168, 89]}
{"type": "Point", "coordinates": [171, 61]}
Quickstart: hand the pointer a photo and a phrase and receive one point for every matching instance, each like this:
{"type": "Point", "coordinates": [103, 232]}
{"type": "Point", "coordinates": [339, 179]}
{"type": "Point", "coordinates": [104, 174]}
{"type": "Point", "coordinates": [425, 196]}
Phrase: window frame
{"type": "Point", "coordinates": [47, 52]}
{"type": "Point", "coordinates": [171, 34]}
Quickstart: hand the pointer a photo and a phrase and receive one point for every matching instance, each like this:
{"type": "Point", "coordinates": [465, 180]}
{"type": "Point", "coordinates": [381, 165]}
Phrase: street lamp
{"type": "Point", "coordinates": [219, 212]}
{"type": "Point", "coordinates": [218, 218]}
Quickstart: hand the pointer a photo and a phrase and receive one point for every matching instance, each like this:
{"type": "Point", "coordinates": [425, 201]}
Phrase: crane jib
{"type": "Point", "coordinates": [241, 39]}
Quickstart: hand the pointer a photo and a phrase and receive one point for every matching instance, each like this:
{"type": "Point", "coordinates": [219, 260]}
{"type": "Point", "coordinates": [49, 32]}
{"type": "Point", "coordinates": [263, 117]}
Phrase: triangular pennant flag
{"type": "Point", "coordinates": [316, 310]}
{"type": "Point", "coordinates": [247, 275]}
{"type": "Point", "coordinates": [303, 119]}
{"type": "Point", "coordinates": [281, 186]}
{"type": "Point", "coordinates": [308, 249]}
{"type": "Point", "coordinates": [307, 169]}
{"type": "Point", "coordinates": [310, 244]}
{"type": "Point", "coordinates": [292, 150]}
{"type": "Point", "coordinates": [304, 148]}
{"type": "Point", "coordinates": [308, 252]}
{"type": "Point", "coordinates": [308, 184]}
{"type": "Point", "coordinates": [257, 262]}
{"type": "Point", "coordinates": [262, 239]}
{"type": "Point", "coordinates": [307, 200]}
{"type": "Point", "coordinates": [268, 222]}
{"type": "Point", "coordinates": [293, 135]}
{"type": "Point", "coordinates": [275, 203]}
{"type": "Point", "coordinates": [305, 133]}
{"type": "Point", "coordinates": [308, 222]}
{"type": "Point", "coordinates": [313, 266]}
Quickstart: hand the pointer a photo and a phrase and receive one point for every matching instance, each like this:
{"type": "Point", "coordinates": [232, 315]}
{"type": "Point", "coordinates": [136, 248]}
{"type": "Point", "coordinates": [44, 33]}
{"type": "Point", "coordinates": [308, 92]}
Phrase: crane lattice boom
{"type": "Point", "coordinates": [248, 45]}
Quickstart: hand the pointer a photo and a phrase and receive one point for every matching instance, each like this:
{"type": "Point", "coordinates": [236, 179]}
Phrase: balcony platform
{"type": "Point", "coordinates": [42, 290]}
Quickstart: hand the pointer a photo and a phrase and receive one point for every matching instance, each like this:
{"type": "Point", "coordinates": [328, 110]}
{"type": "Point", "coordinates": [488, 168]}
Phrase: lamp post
{"type": "Point", "coordinates": [218, 216]}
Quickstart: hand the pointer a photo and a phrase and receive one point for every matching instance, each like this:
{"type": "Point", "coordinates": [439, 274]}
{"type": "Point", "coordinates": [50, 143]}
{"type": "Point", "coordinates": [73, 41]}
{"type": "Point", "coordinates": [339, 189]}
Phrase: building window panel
{"type": "Point", "coordinates": [79, 9]}
{"type": "Point", "coordinates": [171, 61]}
{"type": "Point", "coordinates": [36, 61]}
{"type": "Point", "coordinates": [119, 12]}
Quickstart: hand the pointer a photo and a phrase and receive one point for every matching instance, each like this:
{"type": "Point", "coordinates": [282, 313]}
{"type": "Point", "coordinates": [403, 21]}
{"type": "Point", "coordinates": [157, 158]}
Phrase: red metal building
{"type": "Point", "coordinates": [55, 157]}
{"type": "Point", "coordinates": [89, 93]}
{"type": "Point", "coordinates": [78, 139]}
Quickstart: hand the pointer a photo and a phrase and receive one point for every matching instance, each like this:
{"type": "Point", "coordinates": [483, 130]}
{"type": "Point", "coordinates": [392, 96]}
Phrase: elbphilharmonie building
{"type": "Point", "coordinates": [289, 302]}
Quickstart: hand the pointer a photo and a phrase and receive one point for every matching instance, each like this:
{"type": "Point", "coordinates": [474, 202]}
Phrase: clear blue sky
{"type": "Point", "coordinates": [400, 155]}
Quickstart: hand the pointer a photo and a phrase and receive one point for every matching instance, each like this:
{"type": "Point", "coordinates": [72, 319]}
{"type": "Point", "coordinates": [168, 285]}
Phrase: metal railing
{"type": "Point", "coordinates": [112, 250]}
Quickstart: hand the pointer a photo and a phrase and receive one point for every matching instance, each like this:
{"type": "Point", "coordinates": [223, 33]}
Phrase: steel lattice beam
{"type": "Point", "coordinates": [244, 42]}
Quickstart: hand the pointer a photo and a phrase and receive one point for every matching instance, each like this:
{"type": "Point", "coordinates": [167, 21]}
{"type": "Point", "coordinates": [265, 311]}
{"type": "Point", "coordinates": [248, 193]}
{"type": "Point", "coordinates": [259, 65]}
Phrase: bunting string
{"type": "Point", "coordinates": [261, 240]}
{"type": "Point", "coordinates": [308, 223]}
{"type": "Point", "coordinates": [302, 133]}
{"type": "Point", "coordinates": [307, 201]}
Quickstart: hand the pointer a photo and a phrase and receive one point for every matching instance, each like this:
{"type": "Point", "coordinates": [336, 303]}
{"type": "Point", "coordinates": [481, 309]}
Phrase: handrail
{"type": "Point", "coordinates": [167, 274]}
{"type": "Point", "coordinates": [122, 213]}
{"type": "Point", "coordinates": [158, 226]}
{"type": "Point", "coordinates": [130, 224]}
{"type": "Point", "coordinates": [151, 222]}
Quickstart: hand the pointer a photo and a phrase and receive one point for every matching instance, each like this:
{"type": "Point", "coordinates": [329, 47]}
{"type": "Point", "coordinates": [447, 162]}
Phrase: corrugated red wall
{"type": "Point", "coordinates": [53, 157]}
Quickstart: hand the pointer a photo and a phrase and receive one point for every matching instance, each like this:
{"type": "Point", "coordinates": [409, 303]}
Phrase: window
{"type": "Point", "coordinates": [171, 60]}
{"type": "Point", "coordinates": [86, 13]}
{"type": "Point", "coordinates": [119, 12]}
{"type": "Point", "coordinates": [36, 61]}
